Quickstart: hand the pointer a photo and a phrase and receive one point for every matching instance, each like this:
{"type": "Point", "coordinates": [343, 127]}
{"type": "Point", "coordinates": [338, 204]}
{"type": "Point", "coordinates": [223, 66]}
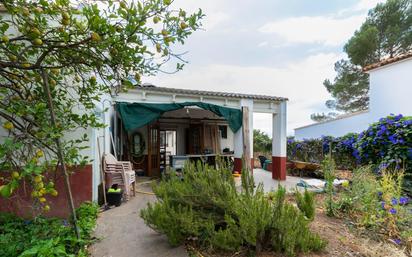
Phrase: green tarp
{"type": "Point", "coordinates": [136, 115]}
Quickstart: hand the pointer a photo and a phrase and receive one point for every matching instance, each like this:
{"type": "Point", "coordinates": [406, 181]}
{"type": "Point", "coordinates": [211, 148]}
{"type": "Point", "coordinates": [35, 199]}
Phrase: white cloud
{"type": "Point", "coordinates": [301, 82]}
{"type": "Point", "coordinates": [328, 30]}
{"type": "Point", "coordinates": [367, 4]}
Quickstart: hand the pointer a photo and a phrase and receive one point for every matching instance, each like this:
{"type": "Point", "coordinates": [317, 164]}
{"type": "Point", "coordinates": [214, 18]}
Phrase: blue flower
{"type": "Point", "coordinates": [397, 241]}
{"type": "Point", "coordinates": [394, 201]}
{"type": "Point", "coordinates": [398, 117]}
{"type": "Point", "coordinates": [380, 194]}
{"type": "Point", "coordinates": [65, 223]}
{"type": "Point", "coordinates": [403, 200]}
{"type": "Point", "coordinates": [392, 138]}
{"type": "Point", "coordinates": [407, 122]}
{"type": "Point", "coordinates": [392, 211]}
{"type": "Point", "coordinates": [410, 153]}
{"type": "Point", "coordinates": [383, 205]}
{"type": "Point", "coordinates": [27, 222]}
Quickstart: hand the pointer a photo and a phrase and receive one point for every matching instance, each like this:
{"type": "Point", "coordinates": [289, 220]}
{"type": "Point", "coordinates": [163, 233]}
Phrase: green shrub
{"type": "Point", "coordinates": [205, 204]}
{"type": "Point", "coordinates": [46, 236]}
{"type": "Point", "coordinates": [377, 204]}
{"type": "Point", "coordinates": [306, 203]}
{"type": "Point", "coordinates": [328, 168]}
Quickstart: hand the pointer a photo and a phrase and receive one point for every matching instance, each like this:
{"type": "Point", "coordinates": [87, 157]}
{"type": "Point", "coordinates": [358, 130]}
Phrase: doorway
{"type": "Point", "coordinates": [168, 147]}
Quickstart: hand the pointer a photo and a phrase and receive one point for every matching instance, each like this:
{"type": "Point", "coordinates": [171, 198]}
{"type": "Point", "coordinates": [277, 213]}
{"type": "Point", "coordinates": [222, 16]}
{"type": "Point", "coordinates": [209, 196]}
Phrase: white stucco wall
{"type": "Point", "coordinates": [391, 89]}
{"type": "Point", "coordinates": [338, 127]}
{"type": "Point", "coordinates": [390, 93]}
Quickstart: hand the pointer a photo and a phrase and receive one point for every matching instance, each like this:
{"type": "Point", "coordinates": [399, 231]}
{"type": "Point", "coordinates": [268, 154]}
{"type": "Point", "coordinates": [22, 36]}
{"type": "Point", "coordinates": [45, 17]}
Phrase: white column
{"type": "Point", "coordinates": [279, 143]}
{"type": "Point", "coordinates": [279, 137]}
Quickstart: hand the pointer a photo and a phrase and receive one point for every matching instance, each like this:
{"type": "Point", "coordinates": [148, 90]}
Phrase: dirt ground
{"type": "Point", "coordinates": [123, 233]}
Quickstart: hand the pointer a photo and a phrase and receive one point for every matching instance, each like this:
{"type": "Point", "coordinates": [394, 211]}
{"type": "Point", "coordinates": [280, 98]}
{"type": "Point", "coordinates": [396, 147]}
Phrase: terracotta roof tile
{"type": "Point", "coordinates": [149, 87]}
{"type": "Point", "coordinates": [387, 61]}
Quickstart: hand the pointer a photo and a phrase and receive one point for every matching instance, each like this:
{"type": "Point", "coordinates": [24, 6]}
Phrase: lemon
{"type": "Point", "coordinates": [25, 11]}
{"type": "Point", "coordinates": [15, 174]}
{"type": "Point", "coordinates": [13, 58]}
{"type": "Point", "coordinates": [65, 16]}
{"type": "Point", "coordinates": [34, 194]}
{"type": "Point", "coordinates": [123, 4]}
{"type": "Point", "coordinates": [35, 31]}
{"type": "Point", "coordinates": [54, 192]}
{"type": "Point", "coordinates": [183, 25]}
{"type": "Point", "coordinates": [52, 82]}
{"type": "Point", "coordinates": [46, 208]}
{"type": "Point", "coordinates": [42, 199]}
{"type": "Point", "coordinates": [37, 42]}
{"type": "Point", "coordinates": [95, 37]}
{"type": "Point", "coordinates": [65, 22]}
{"type": "Point", "coordinates": [156, 19]}
{"type": "Point", "coordinates": [158, 48]}
{"type": "Point", "coordinates": [37, 179]}
{"type": "Point", "coordinates": [39, 153]}
{"type": "Point", "coordinates": [165, 32]}
{"type": "Point", "coordinates": [42, 191]}
{"type": "Point", "coordinates": [51, 184]}
{"type": "Point", "coordinates": [26, 65]}
{"type": "Point", "coordinates": [8, 125]}
{"type": "Point", "coordinates": [5, 39]}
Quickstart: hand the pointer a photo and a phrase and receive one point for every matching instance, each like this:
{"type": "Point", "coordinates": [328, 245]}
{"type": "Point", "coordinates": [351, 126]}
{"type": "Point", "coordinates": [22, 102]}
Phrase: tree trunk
{"type": "Point", "coordinates": [60, 157]}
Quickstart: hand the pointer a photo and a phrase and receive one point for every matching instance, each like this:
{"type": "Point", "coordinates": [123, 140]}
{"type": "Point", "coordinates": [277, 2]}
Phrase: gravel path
{"type": "Point", "coordinates": [124, 234]}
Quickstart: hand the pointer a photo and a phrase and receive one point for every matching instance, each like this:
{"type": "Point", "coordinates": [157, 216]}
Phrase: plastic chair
{"type": "Point", "coordinates": [120, 173]}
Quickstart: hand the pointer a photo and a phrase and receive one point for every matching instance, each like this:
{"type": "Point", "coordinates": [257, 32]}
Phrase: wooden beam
{"type": "Point", "coordinates": [246, 138]}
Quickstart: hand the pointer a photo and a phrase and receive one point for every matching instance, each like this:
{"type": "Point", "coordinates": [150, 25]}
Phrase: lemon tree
{"type": "Point", "coordinates": [57, 58]}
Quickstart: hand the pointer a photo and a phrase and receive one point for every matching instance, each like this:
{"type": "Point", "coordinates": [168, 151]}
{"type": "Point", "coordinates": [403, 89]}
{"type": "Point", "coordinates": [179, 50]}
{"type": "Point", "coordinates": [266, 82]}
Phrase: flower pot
{"type": "Point", "coordinates": [114, 198]}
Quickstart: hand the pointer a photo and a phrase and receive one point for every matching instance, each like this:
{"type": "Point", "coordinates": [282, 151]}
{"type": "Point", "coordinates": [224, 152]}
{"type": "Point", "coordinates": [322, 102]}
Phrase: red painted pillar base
{"type": "Point", "coordinates": [279, 168]}
{"type": "Point", "coordinates": [237, 165]}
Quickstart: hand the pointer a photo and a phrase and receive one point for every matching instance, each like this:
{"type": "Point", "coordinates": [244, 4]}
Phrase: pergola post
{"type": "Point", "coordinates": [240, 145]}
{"type": "Point", "coordinates": [279, 143]}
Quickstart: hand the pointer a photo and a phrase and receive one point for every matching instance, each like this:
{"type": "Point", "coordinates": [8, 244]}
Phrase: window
{"type": "Point", "coordinates": [223, 131]}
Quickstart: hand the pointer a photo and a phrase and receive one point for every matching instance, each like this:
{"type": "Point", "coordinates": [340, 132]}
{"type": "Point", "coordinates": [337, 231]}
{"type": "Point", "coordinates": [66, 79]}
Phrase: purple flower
{"type": "Point", "coordinates": [397, 241]}
{"type": "Point", "coordinates": [380, 194]}
{"type": "Point", "coordinates": [407, 122]}
{"type": "Point", "coordinates": [392, 138]}
{"type": "Point", "coordinates": [65, 223]}
{"type": "Point", "coordinates": [394, 201]}
{"type": "Point", "coordinates": [392, 211]}
{"type": "Point", "coordinates": [383, 205]}
{"type": "Point", "coordinates": [403, 200]}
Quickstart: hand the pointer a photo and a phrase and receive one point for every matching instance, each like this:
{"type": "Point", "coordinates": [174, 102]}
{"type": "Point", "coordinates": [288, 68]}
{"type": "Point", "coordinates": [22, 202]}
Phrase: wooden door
{"type": "Point", "coordinates": [153, 151]}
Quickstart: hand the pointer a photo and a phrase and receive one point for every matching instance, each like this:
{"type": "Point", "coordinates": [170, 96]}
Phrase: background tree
{"type": "Point", "coordinates": [385, 33]}
{"type": "Point", "coordinates": [261, 142]}
{"type": "Point", "coordinates": [56, 61]}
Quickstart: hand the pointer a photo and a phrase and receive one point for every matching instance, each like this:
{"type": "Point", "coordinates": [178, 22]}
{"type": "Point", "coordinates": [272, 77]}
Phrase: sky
{"type": "Point", "coordinates": [272, 47]}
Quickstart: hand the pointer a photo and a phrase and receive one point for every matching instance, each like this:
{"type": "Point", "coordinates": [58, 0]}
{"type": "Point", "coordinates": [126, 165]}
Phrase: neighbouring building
{"type": "Point", "coordinates": [390, 93]}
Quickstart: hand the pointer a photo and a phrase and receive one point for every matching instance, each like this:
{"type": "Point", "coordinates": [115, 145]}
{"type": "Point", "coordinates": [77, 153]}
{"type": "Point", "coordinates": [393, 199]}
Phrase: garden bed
{"type": "Point", "coordinates": [344, 239]}
{"type": "Point", "coordinates": [46, 236]}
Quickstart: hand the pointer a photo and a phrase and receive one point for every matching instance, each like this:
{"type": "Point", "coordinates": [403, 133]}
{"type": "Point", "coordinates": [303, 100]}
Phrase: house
{"type": "Point", "coordinates": [158, 127]}
{"type": "Point", "coordinates": [155, 126]}
{"type": "Point", "coordinates": [390, 92]}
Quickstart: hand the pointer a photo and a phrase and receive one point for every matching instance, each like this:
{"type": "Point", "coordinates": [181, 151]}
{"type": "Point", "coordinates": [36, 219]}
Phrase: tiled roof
{"type": "Point", "coordinates": [387, 61]}
{"type": "Point", "coordinates": [152, 88]}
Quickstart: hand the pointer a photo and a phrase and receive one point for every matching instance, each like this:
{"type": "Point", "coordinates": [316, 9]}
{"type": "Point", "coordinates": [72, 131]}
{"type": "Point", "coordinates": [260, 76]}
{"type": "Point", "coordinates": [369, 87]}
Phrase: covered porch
{"type": "Point", "coordinates": [158, 128]}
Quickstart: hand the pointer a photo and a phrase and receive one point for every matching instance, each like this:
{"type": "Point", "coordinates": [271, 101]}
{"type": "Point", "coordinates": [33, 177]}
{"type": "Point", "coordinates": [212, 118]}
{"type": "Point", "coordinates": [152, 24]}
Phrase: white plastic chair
{"type": "Point", "coordinates": [120, 173]}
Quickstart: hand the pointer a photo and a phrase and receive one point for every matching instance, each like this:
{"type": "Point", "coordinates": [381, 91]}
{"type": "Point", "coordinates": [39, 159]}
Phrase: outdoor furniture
{"type": "Point", "coordinates": [262, 160]}
{"type": "Point", "coordinates": [120, 173]}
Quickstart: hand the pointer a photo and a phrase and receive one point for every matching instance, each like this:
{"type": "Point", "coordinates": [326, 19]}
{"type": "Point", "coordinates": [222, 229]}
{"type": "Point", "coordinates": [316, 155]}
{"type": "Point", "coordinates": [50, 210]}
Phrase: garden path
{"type": "Point", "coordinates": [124, 234]}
